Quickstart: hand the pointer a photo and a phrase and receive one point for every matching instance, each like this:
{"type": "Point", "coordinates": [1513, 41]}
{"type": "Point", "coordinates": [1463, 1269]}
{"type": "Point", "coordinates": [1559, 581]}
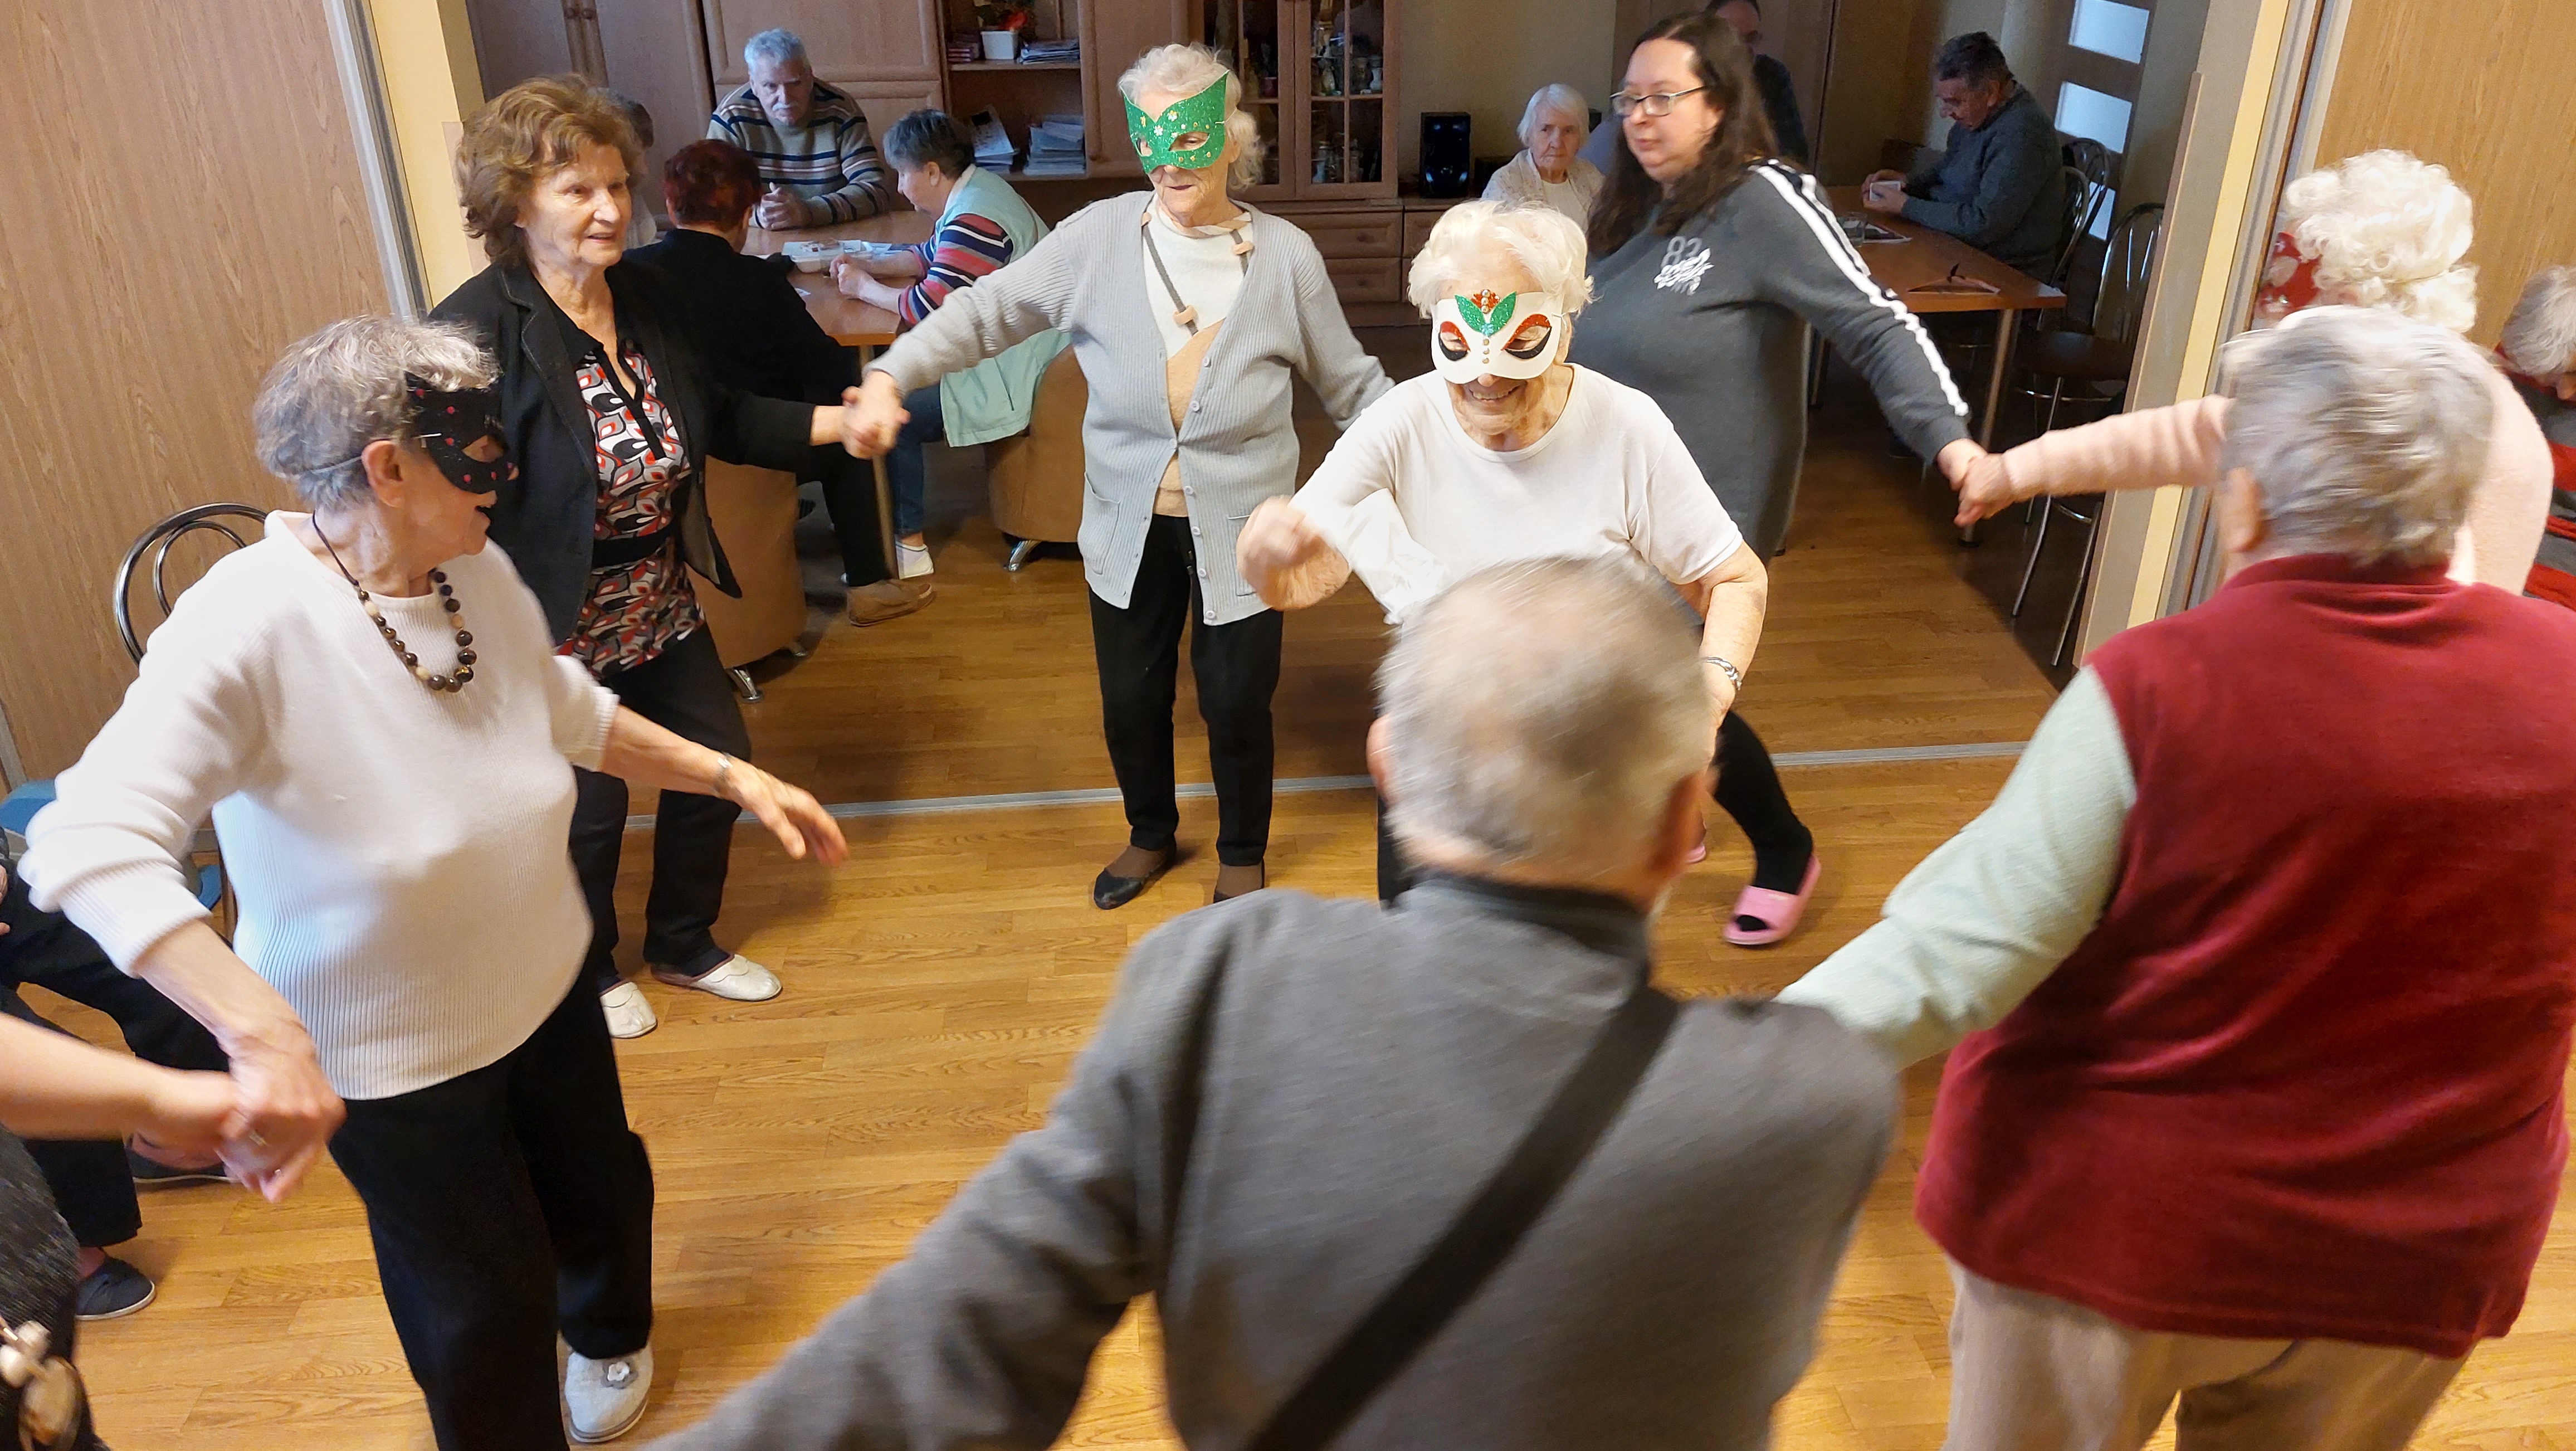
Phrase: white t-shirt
{"type": "Point", "coordinates": [399, 856]}
{"type": "Point", "coordinates": [1204, 270]}
{"type": "Point", "coordinates": [1610, 479]}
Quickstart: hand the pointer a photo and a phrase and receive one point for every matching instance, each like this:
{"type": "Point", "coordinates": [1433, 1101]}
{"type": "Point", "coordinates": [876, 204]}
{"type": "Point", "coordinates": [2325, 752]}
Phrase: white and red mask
{"type": "Point", "coordinates": [2289, 282]}
{"type": "Point", "coordinates": [1497, 335]}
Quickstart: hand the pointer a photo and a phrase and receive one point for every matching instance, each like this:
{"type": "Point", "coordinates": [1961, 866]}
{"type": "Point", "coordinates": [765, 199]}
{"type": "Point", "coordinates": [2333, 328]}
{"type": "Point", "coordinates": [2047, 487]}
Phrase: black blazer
{"type": "Point", "coordinates": [749, 324]}
{"type": "Point", "coordinates": [546, 520]}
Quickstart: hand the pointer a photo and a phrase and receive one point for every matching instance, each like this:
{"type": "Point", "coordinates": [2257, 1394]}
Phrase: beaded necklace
{"type": "Point", "coordinates": [445, 684]}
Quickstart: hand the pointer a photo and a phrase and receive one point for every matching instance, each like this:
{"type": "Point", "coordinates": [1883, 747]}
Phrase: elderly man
{"type": "Point", "coordinates": [2539, 351]}
{"type": "Point", "coordinates": [1291, 1101]}
{"type": "Point", "coordinates": [2272, 945]}
{"type": "Point", "coordinates": [1770, 77]}
{"type": "Point", "coordinates": [811, 141]}
{"type": "Point", "coordinates": [2000, 185]}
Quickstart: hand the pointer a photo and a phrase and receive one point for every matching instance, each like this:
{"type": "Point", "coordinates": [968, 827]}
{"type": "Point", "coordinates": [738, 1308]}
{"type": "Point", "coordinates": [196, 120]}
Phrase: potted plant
{"type": "Point", "coordinates": [1001, 21]}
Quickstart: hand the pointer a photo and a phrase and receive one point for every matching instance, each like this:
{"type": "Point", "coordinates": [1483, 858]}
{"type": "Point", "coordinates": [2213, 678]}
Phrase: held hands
{"type": "Point", "coordinates": [871, 415]}
{"type": "Point", "coordinates": [1985, 486]}
{"type": "Point", "coordinates": [281, 1116]}
{"type": "Point", "coordinates": [791, 813]}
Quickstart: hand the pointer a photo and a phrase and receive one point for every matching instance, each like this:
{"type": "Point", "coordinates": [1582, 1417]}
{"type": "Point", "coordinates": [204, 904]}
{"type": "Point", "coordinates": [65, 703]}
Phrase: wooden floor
{"type": "Point", "coordinates": [939, 985]}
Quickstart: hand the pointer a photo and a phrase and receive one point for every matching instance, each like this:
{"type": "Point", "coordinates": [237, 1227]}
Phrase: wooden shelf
{"type": "Point", "coordinates": [990, 67]}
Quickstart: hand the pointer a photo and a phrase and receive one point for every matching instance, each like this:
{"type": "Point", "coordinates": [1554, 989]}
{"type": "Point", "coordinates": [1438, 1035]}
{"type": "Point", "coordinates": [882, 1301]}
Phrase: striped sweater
{"type": "Point", "coordinates": [969, 247]}
{"type": "Point", "coordinates": [830, 160]}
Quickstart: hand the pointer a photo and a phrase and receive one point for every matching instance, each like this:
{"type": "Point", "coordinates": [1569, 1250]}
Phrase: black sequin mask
{"type": "Point", "coordinates": [450, 423]}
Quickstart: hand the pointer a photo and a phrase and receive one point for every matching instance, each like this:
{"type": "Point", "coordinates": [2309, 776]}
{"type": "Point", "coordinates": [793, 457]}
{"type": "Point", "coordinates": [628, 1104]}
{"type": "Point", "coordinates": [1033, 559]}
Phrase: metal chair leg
{"type": "Point", "coordinates": [2039, 541]}
{"type": "Point", "coordinates": [2075, 600]}
{"type": "Point", "coordinates": [745, 686]}
{"type": "Point", "coordinates": [1020, 553]}
{"type": "Point", "coordinates": [2056, 395]}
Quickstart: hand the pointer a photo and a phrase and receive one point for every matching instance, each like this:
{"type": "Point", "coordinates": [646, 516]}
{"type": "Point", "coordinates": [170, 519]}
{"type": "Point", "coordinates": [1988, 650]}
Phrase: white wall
{"type": "Point", "coordinates": [1485, 57]}
{"type": "Point", "coordinates": [2173, 54]}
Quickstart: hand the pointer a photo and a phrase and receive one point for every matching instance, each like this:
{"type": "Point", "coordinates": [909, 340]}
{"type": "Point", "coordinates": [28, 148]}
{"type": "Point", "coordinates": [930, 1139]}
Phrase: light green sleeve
{"type": "Point", "coordinates": [1969, 933]}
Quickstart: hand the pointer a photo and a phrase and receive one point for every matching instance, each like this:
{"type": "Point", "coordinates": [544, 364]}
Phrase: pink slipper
{"type": "Point", "coordinates": [1778, 912]}
{"type": "Point", "coordinates": [1698, 853]}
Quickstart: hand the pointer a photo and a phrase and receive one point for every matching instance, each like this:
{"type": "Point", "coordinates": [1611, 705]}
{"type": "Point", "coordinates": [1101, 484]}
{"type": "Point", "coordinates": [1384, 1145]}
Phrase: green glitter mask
{"type": "Point", "coordinates": [1199, 121]}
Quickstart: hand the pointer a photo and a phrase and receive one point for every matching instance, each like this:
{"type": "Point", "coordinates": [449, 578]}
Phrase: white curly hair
{"type": "Point", "coordinates": [1185, 70]}
{"type": "Point", "coordinates": [2387, 230]}
{"type": "Point", "coordinates": [1542, 239]}
{"type": "Point", "coordinates": [1556, 98]}
{"type": "Point", "coordinates": [2540, 337]}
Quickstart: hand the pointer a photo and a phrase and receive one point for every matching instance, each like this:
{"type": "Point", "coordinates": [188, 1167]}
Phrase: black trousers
{"type": "Point", "coordinates": [850, 493]}
{"type": "Point", "coordinates": [1748, 787]}
{"type": "Point", "coordinates": [1237, 670]}
{"type": "Point", "coordinates": [92, 1185]}
{"type": "Point", "coordinates": [683, 690]}
{"type": "Point", "coordinates": [506, 1205]}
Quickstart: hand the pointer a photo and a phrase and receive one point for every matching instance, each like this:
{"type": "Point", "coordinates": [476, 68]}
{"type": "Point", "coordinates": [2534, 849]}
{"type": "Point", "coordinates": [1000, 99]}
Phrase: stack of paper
{"type": "Point", "coordinates": [1055, 146]}
{"type": "Point", "coordinates": [1040, 52]}
{"type": "Point", "coordinates": [993, 148]}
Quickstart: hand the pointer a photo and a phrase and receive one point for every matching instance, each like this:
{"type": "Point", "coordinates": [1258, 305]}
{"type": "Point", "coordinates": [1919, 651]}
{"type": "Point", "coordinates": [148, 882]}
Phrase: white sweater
{"type": "Point", "coordinates": [400, 857]}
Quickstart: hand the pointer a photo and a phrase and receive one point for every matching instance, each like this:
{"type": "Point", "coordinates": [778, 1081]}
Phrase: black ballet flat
{"type": "Point", "coordinates": [1109, 891]}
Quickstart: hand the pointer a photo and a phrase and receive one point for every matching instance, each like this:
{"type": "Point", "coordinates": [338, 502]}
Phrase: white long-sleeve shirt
{"type": "Point", "coordinates": [399, 856]}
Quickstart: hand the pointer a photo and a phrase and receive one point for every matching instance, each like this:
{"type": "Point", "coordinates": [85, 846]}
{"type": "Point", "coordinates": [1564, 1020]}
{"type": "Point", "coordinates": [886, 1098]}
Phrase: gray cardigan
{"type": "Point", "coordinates": [1237, 447]}
{"type": "Point", "coordinates": [1365, 1071]}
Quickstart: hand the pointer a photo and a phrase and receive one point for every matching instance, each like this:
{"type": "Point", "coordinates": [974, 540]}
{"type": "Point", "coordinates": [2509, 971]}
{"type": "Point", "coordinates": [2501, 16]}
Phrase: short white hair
{"type": "Point", "coordinates": [2387, 230]}
{"type": "Point", "coordinates": [2365, 433]}
{"type": "Point", "coordinates": [342, 388]}
{"type": "Point", "coordinates": [1559, 98]}
{"type": "Point", "coordinates": [1185, 70]}
{"type": "Point", "coordinates": [2540, 337]}
{"type": "Point", "coordinates": [1540, 714]}
{"type": "Point", "coordinates": [1539, 237]}
{"type": "Point", "coordinates": [777, 45]}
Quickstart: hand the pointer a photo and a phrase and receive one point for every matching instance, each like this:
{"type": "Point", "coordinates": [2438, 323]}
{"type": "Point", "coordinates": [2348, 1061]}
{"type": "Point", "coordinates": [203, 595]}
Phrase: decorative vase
{"type": "Point", "coordinates": [1001, 44]}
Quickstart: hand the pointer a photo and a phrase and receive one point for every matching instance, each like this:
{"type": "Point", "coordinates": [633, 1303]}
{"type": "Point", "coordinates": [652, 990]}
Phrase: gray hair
{"type": "Point", "coordinates": [1540, 714]}
{"type": "Point", "coordinates": [1560, 98]}
{"type": "Point", "coordinates": [341, 389]}
{"type": "Point", "coordinates": [777, 45]}
{"type": "Point", "coordinates": [1974, 58]}
{"type": "Point", "coordinates": [1539, 237]}
{"type": "Point", "coordinates": [2540, 337]}
{"type": "Point", "coordinates": [1184, 69]}
{"type": "Point", "coordinates": [2365, 432]}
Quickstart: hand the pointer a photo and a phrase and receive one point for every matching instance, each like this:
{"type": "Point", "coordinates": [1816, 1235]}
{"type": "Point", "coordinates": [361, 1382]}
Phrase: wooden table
{"type": "Point", "coordinates": [1926, 257]}
{"type": "Point", "coordinates": [851, 323]}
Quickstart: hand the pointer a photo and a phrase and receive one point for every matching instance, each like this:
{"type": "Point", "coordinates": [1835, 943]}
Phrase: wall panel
{"type": "Point", "coordinates": [196, 205]}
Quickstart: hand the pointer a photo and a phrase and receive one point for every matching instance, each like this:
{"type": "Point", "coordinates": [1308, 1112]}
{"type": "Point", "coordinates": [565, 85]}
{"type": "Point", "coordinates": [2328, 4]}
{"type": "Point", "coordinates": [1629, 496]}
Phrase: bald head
{"type": "Point", "coordinates": [1541, 717]}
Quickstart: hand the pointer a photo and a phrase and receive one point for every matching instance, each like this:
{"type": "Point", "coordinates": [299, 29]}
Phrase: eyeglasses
{"type": "Point", "coordinates": [1623, 103]}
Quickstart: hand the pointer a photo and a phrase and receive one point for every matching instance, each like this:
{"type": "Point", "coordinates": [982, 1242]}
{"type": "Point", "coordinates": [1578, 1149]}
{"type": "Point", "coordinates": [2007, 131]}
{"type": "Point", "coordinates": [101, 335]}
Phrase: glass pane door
{"type": "Point", "coordinates": [1246, 33]}
{"type": "Point", "coordinates": [1346, 106]}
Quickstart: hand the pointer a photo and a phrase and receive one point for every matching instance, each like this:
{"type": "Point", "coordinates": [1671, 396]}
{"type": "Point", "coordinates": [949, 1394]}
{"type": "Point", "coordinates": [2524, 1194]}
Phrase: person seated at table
{"type": "Point", "coordinates": [2000, 184]}
{"type": "Point", "coordinates": [640, 228]}
{"type": "Point", "coordinates": [1771, 78]}
{"type": "Point", "coordinates": [983, 224]}
{"type": "Point", "coordinates": [810, 141]}
{"type": "Point", "coordinates": [1547, 171]}
{"type": "Point", "coordinates": [2539, 352]}
{"type": "Point", "coordinates": [2381, 230]}
{"type": "Point", "coordinates": [758, 338]}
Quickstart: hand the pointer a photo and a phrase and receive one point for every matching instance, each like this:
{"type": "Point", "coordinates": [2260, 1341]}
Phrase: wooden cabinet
{"type": "Point", "coordinates": [1114, 33]}
{"type": "Point", "coordinates": [1320, 76]}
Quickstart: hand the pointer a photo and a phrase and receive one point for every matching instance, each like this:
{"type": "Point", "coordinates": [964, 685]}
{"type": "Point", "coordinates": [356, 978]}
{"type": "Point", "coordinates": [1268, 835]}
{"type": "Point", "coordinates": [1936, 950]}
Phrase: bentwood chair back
{"type": "Point", "coordinates": [236, 524]}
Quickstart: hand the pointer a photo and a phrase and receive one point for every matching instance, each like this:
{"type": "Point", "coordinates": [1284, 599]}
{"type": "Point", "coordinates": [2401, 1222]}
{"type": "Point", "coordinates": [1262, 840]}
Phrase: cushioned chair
{"type": "Point", "coordinates": [1035, 478]}
{"type": "Point", "coordinates": [754, 513]}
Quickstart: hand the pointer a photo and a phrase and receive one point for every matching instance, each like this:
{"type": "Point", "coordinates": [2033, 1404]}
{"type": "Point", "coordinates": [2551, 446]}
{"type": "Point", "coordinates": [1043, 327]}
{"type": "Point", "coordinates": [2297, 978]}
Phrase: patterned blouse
{"type": "Point", "coordinates": [638, 610]}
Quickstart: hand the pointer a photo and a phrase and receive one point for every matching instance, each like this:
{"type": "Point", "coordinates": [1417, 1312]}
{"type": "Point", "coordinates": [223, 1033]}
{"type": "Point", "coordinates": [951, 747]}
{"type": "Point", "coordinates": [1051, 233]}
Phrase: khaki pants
{"type": "Point", "coordinates": [2029, 1372]}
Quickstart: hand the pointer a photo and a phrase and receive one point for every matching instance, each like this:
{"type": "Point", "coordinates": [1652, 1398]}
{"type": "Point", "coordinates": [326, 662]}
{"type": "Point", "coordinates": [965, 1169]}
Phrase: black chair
{"type": "Point", "coordinates": [2102, 356]}
{"type": "Point", "coordinates": [157, 541]}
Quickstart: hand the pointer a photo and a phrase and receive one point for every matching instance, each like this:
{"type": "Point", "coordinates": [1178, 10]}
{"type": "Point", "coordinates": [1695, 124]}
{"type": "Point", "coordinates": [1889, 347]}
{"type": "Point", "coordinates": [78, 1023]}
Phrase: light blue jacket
{"type": "Point", "coordinates": [992, 399]}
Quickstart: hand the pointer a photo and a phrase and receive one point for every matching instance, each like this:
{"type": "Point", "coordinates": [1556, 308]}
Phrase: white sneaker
{"type": "Point", "coordinates": [605, 1398]}
{"type": "Point", "coordinates": [911, 561]}
{"type": "Point", "coordinates": [737, 979]}
{"type": "Point", "coordinates": [629, 1016]}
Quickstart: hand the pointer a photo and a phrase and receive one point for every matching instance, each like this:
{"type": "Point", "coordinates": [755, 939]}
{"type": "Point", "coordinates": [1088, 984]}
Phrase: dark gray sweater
{"type": "Point", "coordinates": [2000, 188]}
{"type": "Point", "coordinates": [1367, 1069]}
{"type": "Point", "coordinates": [1711, 322]}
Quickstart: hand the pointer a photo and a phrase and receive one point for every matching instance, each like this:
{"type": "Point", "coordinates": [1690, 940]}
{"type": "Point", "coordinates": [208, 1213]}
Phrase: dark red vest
{"type": "Point", "coordinates": [2305, 1077]}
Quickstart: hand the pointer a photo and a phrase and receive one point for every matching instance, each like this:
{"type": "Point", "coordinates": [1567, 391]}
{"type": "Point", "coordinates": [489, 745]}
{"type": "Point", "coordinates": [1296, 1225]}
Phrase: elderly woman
{"type": "Point", "coordinates": [2377, 230]}
{"type": "Point", "coordinates": [2539, 352]}
{"type": "Point", "coordinates": [372, 706]}
{"type": "Point", "coordinates": [1712, 260]}
{"type": "Point", "coordinates": [757, 336]}
{"type": "Point", "coordinates": [2255, 977]}
{"type": "Point", "coordinates": [1547, 171]}
{"type": "Point", "coordinates": [611, 412]}
{"type": "Point", "coordinates": [983, 224]}
{"type": "Point", "coordinates": [1187, 432]}
{"type": "Point", "coordinates": [1506, 452]}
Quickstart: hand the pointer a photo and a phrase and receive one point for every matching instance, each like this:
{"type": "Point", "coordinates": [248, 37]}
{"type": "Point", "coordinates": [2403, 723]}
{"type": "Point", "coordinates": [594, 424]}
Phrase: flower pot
{"type": "Point", "coordinates": [1001, 44]}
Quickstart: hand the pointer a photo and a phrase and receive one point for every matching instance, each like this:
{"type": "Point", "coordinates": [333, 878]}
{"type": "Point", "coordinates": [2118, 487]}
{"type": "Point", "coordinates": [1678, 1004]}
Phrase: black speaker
{"type": "Point", "coordinates": [1447, 160]}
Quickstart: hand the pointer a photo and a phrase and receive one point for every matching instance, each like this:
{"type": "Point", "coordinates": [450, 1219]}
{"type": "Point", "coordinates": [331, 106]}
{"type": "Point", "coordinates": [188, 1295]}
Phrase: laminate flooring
{"type": "Point", "coordinates": [940, 984]}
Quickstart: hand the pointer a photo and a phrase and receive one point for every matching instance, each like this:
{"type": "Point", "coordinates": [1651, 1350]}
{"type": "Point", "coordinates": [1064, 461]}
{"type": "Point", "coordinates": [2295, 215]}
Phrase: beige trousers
{"type": "Point", "coordinates": [2029, 1372]}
